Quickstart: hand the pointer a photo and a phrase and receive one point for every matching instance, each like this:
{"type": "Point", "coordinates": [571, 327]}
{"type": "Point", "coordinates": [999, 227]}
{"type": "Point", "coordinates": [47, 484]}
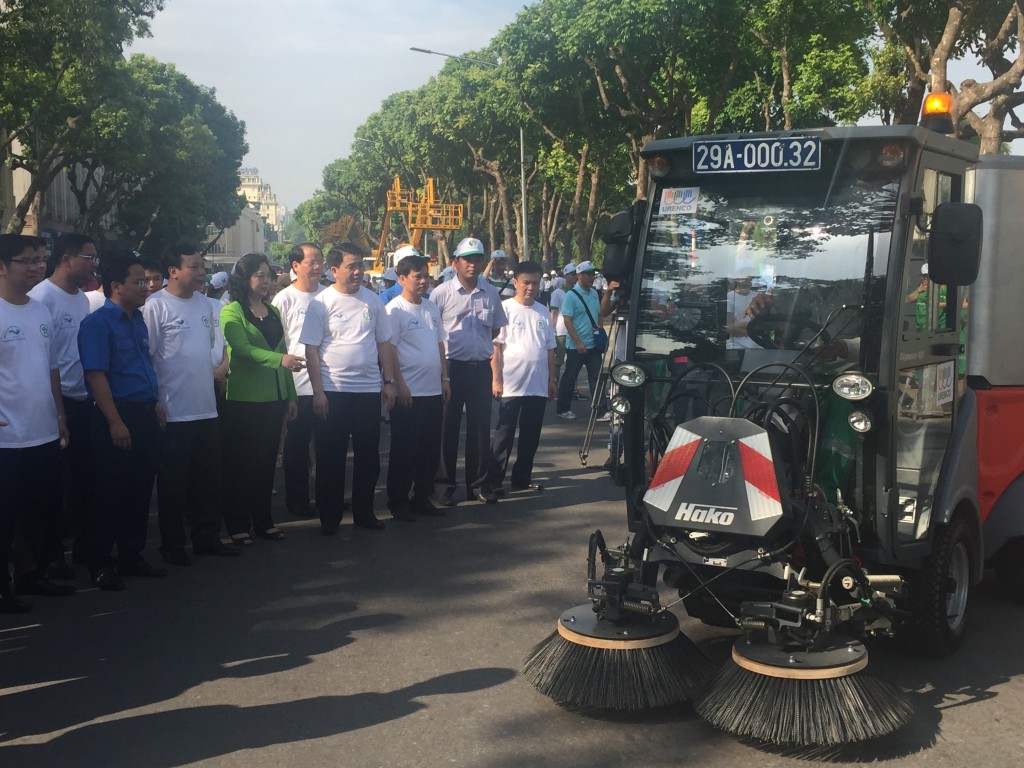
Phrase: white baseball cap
{"type": "Point", "coordinates": [218, 280]}
{"type": "Point", "coordinates": [586, 266]}
{"type": "Point", "coordinates": [569, 268]}
{"type": "Point", "coordinates": [924, 268]}
{"type": "Point", "coordinates": [499, 254]}
{"type": "Point", "coordinates": [405, 250]}
{"type": "Point", "coordinates": [469, 246]}
{"type": "Point", "coordinates": [390, 274]}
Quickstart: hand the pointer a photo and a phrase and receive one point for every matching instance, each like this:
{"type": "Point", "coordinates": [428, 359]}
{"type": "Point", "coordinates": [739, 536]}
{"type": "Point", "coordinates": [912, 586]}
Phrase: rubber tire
{"type": "Point", "coordinates": [1009, 567]}
{"type": "Point", "coordinates": [930, 632]}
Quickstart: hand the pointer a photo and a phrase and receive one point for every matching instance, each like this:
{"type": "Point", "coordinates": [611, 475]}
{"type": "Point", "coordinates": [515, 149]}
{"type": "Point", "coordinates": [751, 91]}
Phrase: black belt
{"type": "Point", "coordinates": [475, 363]}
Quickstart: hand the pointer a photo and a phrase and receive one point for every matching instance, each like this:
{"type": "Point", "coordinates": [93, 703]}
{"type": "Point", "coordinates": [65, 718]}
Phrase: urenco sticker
{"type": "Point", "coordinates": [706, 514]}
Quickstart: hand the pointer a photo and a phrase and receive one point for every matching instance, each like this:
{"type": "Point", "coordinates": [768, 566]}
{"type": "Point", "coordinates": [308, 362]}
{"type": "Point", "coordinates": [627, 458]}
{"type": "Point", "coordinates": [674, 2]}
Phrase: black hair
{"type": "Point", "coordinates": [69, 245]}
{"type": "Point", "coordinates": [298, 253]}
{"type": "Point", "coordinates": [526, 268]}
{"type": "Point", "coordinates": [173, 255]}
{"type": "Point", "coordinates": [13, 245]}
{"type": "Point", "coordinates": [151, 264]}
{"type": "Point", "coordinates": [337, 254]}
{"type": "Point", "coordinates": [238, 279]}
{"type": "Point", "coordinates": [114, 266]}
{"type": "Point", "coordinates": [411, 263]}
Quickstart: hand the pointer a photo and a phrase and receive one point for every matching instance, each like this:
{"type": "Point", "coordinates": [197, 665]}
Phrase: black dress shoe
{"type": "Point", "coordinates": [108, 580]}
{"type": "Point", "coordinates": [306, 511]}
{"type": "Point", "coordinates": [142, 569]}
{"type": "Point", "coordinates": [11, 604]}
{"type": "Point", "coordinates": [175, 556]}
{"type": "Point", "coordinates": [486, 495]}
{"type": "Point", "coordinates": [528, 487]}
{"type": "Point", "coordinates": [370, 522]}
{"type": "Point", "coordinates": [40, 585]}
{"type": "Point", "coordinates": [426, 507]}
{"type": "Point", "coordinates": [61, 571]}
{"type": "Point", "coordinates": [215, 549]}
{"type": "Point", "coordinates": [499, 491]}
{"type": "Point", "coordinates": [404, 513]}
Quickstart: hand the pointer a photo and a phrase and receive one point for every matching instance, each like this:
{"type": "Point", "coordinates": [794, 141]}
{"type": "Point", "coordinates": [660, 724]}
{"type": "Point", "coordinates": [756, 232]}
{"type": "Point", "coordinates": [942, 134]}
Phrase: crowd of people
{"type": "Point", "coordinates": [167, 376]}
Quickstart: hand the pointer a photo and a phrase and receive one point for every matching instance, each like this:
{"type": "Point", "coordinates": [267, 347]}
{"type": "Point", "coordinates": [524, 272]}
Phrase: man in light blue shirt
{"type": "Point", "coordinates": [581, 311]}
{"type": "Point", "coordinates": [472, 315]}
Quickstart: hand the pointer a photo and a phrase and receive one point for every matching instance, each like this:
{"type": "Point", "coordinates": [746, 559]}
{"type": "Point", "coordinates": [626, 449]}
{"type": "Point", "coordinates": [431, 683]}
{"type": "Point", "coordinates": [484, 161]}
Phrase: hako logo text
{"type": "Point", "coordinates": [709, 515]}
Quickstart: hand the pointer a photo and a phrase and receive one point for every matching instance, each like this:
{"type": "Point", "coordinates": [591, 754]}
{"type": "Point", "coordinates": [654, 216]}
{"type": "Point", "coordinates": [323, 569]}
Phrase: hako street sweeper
{"type": "Point", "coordinates": [821, 409]}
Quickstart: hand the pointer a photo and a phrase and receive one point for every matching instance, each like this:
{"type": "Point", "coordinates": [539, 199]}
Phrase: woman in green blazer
{"type": "Point", "coordinates": [260, 393]}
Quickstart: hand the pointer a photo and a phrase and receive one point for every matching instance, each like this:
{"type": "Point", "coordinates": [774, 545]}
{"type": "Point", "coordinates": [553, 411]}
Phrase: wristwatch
{"type": "Point", "coordinates": [389, 381]}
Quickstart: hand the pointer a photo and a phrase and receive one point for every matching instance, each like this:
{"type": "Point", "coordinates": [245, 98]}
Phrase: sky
{"type": "Point", "coordinates": [304, 74]}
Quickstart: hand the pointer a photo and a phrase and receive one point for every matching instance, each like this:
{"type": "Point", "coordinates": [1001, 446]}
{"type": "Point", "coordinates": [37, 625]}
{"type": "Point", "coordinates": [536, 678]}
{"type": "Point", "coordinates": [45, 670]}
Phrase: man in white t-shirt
{"type": "Point", "coordinates": [524, 379]}
{"type": "Point", "coordinates": [563, 284]}
{"type": "Point", "coordinates": [179, 320]}
{"type": "Point", "coordinates": [307, 264]}
{"type": "Point", "coordinates": [74, 260]}
{"type": "Point", "coordinates": [32, 425]}
{"type": "Point", "coordinates": [346, 333]}
{"type": "Point", "coordinates": [423, 389]}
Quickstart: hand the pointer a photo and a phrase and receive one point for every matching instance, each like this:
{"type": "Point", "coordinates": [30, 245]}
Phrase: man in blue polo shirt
{"type": "Point", "coordinates": [581, 310]}
{"type": "Point", "coordinates": [125, 425]}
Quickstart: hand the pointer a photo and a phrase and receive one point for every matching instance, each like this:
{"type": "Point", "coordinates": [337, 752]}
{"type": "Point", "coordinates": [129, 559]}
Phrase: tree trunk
{"type": "Point", "coordinates": [787, 88]}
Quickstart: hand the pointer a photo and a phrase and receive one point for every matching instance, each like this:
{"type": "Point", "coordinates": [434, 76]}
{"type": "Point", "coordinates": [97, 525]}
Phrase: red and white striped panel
{"type": "Point", "coordinates": [759, 473]}
{"type": "Point", "coordinates": [674, 464]}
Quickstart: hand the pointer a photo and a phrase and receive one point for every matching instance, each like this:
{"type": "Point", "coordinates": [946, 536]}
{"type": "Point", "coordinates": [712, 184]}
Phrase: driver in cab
{"type": "Point", "coordinates": [745, 300]}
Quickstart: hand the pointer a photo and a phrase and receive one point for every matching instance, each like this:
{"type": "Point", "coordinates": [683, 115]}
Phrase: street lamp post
{"type": "Point", "coordinates": [522, 151]}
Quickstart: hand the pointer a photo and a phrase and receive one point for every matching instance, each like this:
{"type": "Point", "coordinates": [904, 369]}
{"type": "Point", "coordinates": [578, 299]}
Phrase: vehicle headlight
{"type": "Point", "coordinates": [658, 166]}
{"type": "Point", "coordinates": [619, 405]}
{"type": "Point", "coordinates": [860, 421]}
{"type": "Point", "coordinates": [628, 375]}
{"type": "Point", "coordinates": [852, 386]}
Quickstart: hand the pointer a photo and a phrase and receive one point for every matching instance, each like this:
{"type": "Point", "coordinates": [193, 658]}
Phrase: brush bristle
{"type": "Point", "coordinates": [598, 678]}
{"type": "Point", "coordinates": [825, 712]}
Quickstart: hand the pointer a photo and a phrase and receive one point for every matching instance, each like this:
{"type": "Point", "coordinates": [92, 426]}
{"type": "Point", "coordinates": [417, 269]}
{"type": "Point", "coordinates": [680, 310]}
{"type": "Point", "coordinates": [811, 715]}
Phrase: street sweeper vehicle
{"type": "Point", "coordinates": [821, 407]}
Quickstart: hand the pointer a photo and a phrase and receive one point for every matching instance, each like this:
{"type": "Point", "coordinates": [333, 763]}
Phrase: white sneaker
{"type": "Point", "coordinates": [567, 415]}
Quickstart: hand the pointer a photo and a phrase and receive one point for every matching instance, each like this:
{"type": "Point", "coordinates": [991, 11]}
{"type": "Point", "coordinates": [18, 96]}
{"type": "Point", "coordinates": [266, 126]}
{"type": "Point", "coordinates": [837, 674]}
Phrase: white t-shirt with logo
{"type": "Point", "coordinates": [293, 304]}
{"type": "Point", "coordinates": [347, 329]}
{"type": "Point", "coordinates": [27, 356]}
{"type": "Point", "coordinates": [67, 310]}
{"type": "Point", "coordinates": [217, 353]}
{"type": "Point", "coordinates": [525, 341]}
{"type": "Point", "coordinates": [417, 332]}
{"type": "Point", "coordinates": [557, 297]}
{"type": "Point", "coordinates": [181, 339]}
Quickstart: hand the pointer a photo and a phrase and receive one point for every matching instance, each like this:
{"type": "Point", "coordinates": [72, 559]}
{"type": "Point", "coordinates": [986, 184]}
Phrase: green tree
{"type": "Point", "coordinates": [57, 62]}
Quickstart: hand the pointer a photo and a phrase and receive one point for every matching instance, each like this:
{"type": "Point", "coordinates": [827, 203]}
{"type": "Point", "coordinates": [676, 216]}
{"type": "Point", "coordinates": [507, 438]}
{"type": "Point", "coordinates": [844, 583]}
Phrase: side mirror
{"type": "Point", "coordinates": [954, 244]}
{"type": "Point", "coordinates": [620, 241]}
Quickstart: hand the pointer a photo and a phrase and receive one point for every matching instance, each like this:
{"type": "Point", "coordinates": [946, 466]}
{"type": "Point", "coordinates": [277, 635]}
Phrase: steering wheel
{"type": "Point", "coordinates": [788, 329]}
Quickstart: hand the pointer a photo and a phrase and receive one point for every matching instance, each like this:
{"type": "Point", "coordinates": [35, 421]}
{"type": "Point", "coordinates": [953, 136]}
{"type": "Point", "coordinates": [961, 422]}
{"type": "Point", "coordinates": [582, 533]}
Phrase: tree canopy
{"type": "Point", "coordinates": [150, 155]}
{"type": "Point", "coordinates": [589, 83]}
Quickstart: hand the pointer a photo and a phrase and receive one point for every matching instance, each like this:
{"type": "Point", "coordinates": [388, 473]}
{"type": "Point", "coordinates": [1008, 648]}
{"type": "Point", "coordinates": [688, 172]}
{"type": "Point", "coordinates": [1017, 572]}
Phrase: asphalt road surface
{"type": "Point", "coordinates": [402, 648]}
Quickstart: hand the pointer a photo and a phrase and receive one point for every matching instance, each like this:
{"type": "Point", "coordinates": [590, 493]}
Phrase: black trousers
{"type": "Point", "coordinates": [574, 362]}
{"type": "Point", "coordinates": [354, 415]}
{"type": "Point", "coordinates": [415, 450]}
{"type": "Point", "coordinates": [251, 433]}
{"type": "Point", "coordinates": [77, 476]}
{"type": "Point", "coordinates": [189, 483]}
{"type": "Point", "coordinates": [297, 437]}
{"type": "Point", "coordinates": [527, 413]}
{"type": "Point", "coordinates": [29, 490]}
{"type": "Point", "coordinates": [471, 388]}
{"type": "Point", "coordinates": [122, 484]}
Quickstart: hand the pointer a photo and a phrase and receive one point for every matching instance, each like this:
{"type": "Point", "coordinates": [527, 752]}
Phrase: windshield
{"type": "Point", "coordinates": [756, 265]}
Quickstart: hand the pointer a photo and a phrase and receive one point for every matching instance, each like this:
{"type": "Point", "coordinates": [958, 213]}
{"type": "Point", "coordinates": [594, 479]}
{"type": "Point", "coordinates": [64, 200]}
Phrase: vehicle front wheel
{"type": "Point", "coordinates": [939, 594]}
